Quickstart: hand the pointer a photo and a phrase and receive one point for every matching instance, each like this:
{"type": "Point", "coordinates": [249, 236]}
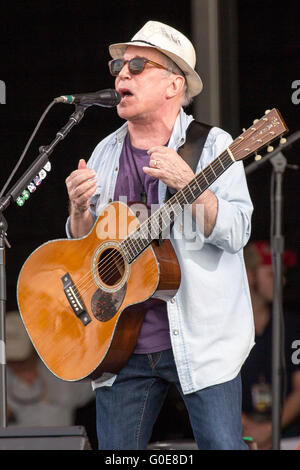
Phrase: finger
{"type": "Point", "coordinates": [154, 163]}
{"type": "Point", "coordinates": [79, 176]}
{"type": "Point", "coordinates": [158, 149]}
{"type": "Point", "coordinates": [82, 164]}
{"type": "Point", "coordinates": [77, 191]}
{"type": "Point", "coordinates": [150, 171]}
{"type": "Point", "coordinates": [84, 188]}
{"type": "Point", "coordinates": [84, 199]}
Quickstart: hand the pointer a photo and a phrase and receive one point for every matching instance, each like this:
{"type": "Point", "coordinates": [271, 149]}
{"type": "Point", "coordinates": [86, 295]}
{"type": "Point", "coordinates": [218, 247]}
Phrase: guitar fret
{"type": "Point", "coordinates": [139, 239]}
{"type": "Point", "coordinates": [186, 200]}
{"type": "Point", "coordinates": [124, 249]}
{"type": "Point", "coordinates": [227, 160]}
{"type": "Point", "coordinates": [213, 170]}
{"type": "Point", "coordinates": [198, 186]}
{"type": "Point", "coordinates": [163, 221]}
{"type": "Point", "coordinates": [188, 194]}
{"type": "Point", "coordinates": [191, 190]}
{"type": "Point", "coordinates": [203, 174]}
{"type": "Point", "coordinates": [210, 175]}
{"type": "Point", "coordinates": [221, 163]}
{"type": "Point", "coordinates": [154, 221]}
{"type": "Point", "coordinates": [131, 248]}
{"type": "Point", "coordinates": [163, 217]}
{"type": "Point", "coordinates": [177, 207]}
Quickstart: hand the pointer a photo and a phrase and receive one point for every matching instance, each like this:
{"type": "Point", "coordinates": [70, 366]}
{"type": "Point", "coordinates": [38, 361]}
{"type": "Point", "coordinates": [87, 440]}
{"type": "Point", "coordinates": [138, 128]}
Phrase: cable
{"type": "Point", "coordinates": [27, 146]}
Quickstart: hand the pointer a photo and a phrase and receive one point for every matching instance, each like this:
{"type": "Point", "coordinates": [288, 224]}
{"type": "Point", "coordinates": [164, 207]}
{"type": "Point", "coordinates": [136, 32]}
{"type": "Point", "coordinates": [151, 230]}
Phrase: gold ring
{"type": "Point", "coordinates": [154, 162]}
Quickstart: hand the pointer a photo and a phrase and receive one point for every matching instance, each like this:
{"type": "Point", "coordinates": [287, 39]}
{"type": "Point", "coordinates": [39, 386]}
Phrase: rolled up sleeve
{"type": "Point", "coordinates": [233, 223]}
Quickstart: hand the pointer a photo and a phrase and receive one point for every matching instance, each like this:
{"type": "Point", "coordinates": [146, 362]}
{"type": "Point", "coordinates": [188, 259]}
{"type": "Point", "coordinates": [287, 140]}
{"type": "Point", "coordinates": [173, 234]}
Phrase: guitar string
{"type": "Point", "coordinates": [150, 223]}
{"type": "Point", "coordinates": [116, 256]}
{"type": "Point", "coordinates": [111, 256]}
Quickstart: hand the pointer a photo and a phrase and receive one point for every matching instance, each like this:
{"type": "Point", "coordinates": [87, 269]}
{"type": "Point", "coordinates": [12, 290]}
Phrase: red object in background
{"type": "Point", "coordinates": [264, 251]}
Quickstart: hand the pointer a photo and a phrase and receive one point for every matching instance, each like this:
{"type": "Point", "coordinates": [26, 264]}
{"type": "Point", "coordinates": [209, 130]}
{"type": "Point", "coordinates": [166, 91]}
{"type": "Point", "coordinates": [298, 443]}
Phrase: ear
{"type": "Point", "coordinates": [176, 86]}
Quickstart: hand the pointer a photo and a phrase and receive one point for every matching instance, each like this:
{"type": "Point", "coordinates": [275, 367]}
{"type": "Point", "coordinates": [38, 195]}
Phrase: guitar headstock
{"type": "Point", "coordinates": [263, 132]}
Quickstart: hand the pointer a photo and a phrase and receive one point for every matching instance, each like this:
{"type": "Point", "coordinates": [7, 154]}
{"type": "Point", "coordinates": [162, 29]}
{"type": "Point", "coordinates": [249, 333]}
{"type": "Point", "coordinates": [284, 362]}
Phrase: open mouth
{"type": "Point", "coordinates": [125, 94]}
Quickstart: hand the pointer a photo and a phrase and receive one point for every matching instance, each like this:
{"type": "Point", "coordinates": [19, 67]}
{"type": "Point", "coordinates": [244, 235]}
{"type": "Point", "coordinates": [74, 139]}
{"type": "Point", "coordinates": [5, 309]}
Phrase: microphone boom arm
{"type": "Point", "coordinates": [41, 160]}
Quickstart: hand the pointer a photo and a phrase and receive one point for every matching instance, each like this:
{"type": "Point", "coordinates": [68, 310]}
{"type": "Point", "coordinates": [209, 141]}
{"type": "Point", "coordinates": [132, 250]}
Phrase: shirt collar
{"type": "Point", "coordinates": [178, 134]}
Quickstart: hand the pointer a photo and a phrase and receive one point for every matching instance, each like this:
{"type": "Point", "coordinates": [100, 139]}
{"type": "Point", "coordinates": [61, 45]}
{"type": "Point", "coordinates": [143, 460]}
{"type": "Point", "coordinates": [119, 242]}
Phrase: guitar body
{"type": "Point", "coordinates": [82, 303]}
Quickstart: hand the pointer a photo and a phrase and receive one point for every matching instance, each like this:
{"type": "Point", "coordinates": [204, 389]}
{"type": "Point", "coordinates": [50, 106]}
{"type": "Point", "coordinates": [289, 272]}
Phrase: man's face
{"type": "Point", "coordinates": [143, 95]}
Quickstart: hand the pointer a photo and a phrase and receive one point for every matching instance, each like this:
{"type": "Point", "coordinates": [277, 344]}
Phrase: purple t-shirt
{"type": "Point", "coordinates": [132, 182]}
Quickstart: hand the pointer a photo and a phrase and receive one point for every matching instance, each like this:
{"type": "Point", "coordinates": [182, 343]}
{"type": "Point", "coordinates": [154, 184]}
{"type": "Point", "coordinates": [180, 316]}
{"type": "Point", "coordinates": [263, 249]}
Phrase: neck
{"type": "Point", "coordinates": [150, 131]}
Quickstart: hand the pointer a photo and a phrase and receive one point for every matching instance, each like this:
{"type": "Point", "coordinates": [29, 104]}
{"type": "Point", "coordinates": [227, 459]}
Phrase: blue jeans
{"type": "Point", "coordinates": [127, 411]}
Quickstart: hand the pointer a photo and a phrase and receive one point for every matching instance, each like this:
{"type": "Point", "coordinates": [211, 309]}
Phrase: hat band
{"type": "Point", "coordinates": [146, 42]}
{"type": "Point", "coordinates": [153, 45]}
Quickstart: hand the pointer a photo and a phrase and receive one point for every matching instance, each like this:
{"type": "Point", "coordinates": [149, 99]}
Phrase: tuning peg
{"type": "Point", "coordinates": [282, 140]}
{"type": "Point", "coordinates": [258, 157]}
{"type": "Point", "coordinates": [270, 149]}
{"type": "Point", "coordinates": [255, 121]}
{"type": "Point", "coordinates": [244, 130]}
{"type": "Point", "coordinates": [268, 111]}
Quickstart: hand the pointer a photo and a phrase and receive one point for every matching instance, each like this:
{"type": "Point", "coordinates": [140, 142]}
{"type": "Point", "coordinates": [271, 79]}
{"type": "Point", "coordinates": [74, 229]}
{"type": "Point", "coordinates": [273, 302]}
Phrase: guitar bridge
{"type": "Point", "coordinates": [74, 299]}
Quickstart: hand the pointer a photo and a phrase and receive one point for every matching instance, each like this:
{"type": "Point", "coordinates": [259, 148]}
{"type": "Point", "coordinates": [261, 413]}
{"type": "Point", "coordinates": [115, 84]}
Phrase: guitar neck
{"type": "Point", "coordinates": [161, 220]}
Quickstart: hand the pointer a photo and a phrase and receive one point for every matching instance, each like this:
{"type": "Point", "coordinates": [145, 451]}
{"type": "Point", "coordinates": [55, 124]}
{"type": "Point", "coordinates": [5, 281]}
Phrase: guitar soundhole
{"type": "Point", "coordinates": [111, 266]}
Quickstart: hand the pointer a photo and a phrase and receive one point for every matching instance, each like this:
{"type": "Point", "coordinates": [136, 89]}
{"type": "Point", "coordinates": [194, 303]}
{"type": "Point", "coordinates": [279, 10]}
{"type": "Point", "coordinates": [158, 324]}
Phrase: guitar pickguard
{"type": "Point", "coordinates": [106, 304]}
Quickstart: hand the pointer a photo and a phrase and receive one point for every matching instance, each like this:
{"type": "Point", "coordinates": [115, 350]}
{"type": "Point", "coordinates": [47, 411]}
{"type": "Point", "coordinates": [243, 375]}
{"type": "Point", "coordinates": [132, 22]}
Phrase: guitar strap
{"type": "Point", "coordinates": [191, 150]}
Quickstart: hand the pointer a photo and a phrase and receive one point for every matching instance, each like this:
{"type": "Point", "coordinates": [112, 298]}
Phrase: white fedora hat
{"type": "Point", "coordinates": [170, 42]}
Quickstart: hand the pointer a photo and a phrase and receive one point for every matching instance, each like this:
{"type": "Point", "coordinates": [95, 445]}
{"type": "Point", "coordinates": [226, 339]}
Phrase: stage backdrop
{"type": "Point", "coordinates": [52, 48]}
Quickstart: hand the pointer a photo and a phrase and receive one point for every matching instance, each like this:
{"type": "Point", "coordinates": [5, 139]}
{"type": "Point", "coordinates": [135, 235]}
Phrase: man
{"type": "Point", "coordinates": [199, 339]}
{"type": "Point", "coordinates": [257, 370]}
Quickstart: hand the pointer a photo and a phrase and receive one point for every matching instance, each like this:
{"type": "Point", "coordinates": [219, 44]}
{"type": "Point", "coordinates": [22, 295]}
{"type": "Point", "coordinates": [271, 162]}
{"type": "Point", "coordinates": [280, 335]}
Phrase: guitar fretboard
{"type": "Point", "coordinates": [161, 220]}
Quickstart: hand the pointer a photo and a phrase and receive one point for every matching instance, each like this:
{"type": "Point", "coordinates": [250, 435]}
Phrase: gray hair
{"type": "Point", "coordinates": [173, 68]}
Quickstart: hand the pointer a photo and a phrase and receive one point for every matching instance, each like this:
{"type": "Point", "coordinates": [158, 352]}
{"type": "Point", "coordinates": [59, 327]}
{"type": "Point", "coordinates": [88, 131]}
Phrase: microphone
{"type": "Point", "coordinates": [107, 98]}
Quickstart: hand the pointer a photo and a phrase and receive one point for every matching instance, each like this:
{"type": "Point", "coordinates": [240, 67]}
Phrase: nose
{"type": "Point", "coordinates": [124, 73]}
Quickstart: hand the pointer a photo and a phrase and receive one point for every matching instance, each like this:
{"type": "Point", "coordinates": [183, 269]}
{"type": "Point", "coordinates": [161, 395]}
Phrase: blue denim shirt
{"type": "Point", "coordinates": [210, 317]}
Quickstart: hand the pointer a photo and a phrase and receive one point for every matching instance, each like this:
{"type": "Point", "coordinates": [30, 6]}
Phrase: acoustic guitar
{"type": "Point", "coordinates": [82, 301]}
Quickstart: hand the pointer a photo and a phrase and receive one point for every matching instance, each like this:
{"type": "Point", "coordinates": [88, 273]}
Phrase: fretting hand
{"type": "Point", "coordinates": [169, 167]}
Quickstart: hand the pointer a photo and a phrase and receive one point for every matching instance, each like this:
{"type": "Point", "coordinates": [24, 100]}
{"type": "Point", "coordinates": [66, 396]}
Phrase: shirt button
{"type": "Point", "coordinates": [116, 169]}
{"type": "Point", "coordinates": [172, 300]}
{"type": "Point", "coordinates": [175, 332]}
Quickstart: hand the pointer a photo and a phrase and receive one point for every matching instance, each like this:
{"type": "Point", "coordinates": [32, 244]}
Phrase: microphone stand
{"type": "Point", "coordinates": [3, 409]}
{"type": "Point", "coordinates": [279, 163]}
{"type": "Point", "coordinates": [5, 201]}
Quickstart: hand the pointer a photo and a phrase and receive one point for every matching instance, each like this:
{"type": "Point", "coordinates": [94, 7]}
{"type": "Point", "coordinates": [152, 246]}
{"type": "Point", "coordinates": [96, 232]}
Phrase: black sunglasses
{"type": "Point", "coordinates": [135, 65]}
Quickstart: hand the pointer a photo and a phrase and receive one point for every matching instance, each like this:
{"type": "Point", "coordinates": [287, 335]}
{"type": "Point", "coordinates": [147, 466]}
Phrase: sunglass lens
{"type": "Point", "coordinates": [136, 65]}
{"type": "Point", "coordinates": [116, 66]}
